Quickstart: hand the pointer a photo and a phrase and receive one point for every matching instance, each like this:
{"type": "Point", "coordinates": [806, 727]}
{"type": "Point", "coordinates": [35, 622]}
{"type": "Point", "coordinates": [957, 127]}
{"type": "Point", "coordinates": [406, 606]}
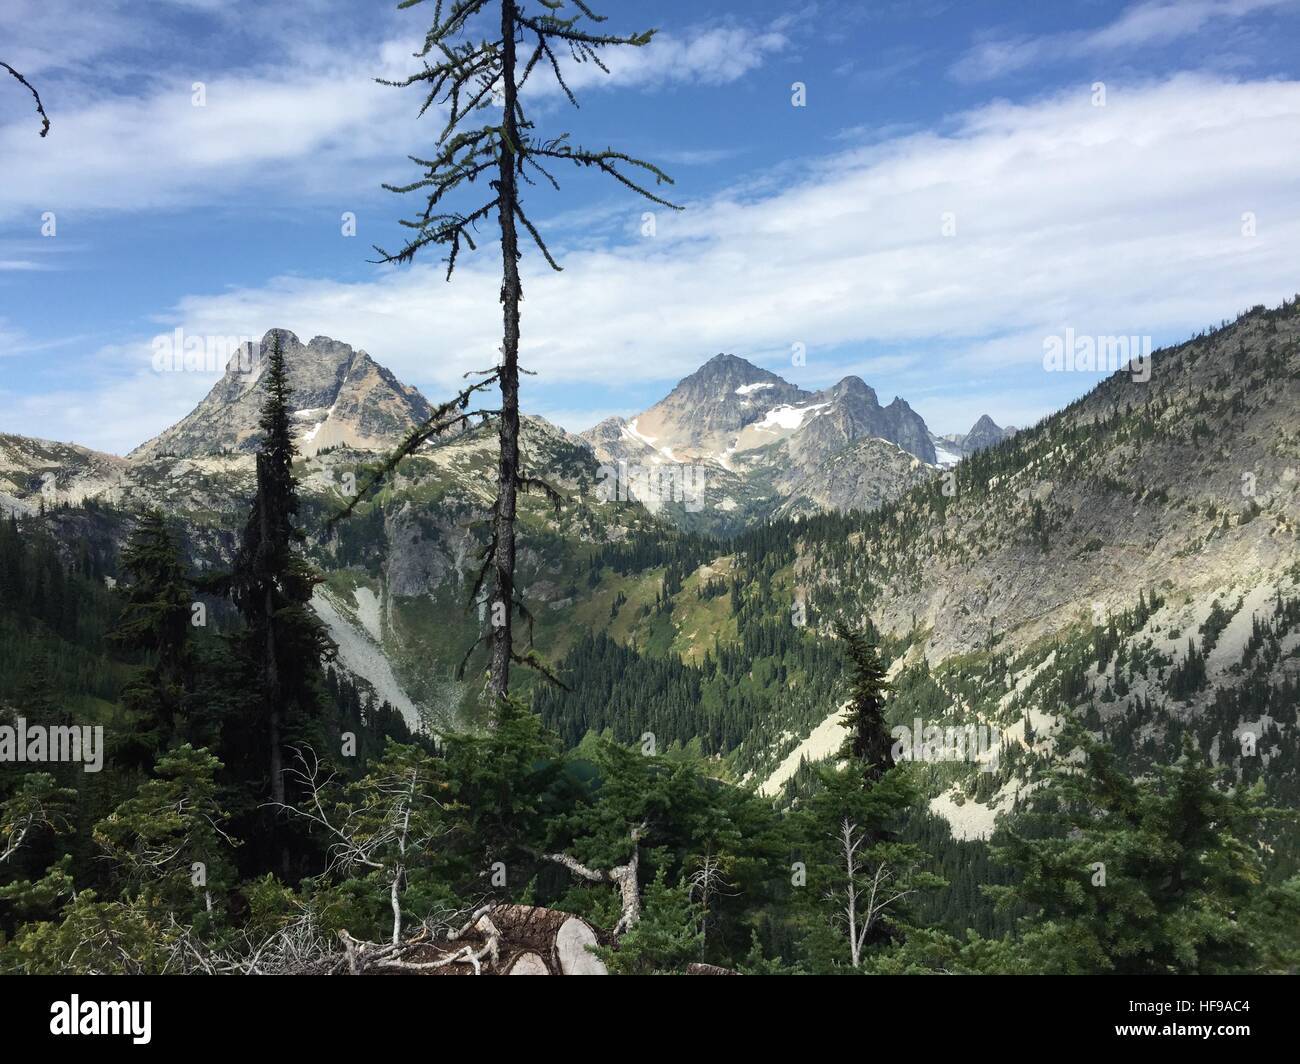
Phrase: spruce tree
{"type": "Point", "coordinates": [167, 844]}
{"type": "Point", "coordinates": [1135, 876]}
{"type": "Point", "coordinates": [873, 816]}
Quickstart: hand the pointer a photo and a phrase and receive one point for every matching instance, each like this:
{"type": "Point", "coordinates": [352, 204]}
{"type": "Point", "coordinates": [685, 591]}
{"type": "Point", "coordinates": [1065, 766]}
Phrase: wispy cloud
{"type": "Point", "coordinates": [316, 129]}
{"type": "Point", "coordinates": [1146, 24]}
{"type": "Point", "coordinates": [1112, 220]}
{"type": "Point", "coordinates": [715, 55]}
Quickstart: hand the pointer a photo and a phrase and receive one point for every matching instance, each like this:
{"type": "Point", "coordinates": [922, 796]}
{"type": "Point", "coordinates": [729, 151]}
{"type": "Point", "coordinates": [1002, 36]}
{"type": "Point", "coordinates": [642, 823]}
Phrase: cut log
{"type": "Point", "coordinates": [572, 952]}
{"type": "Point", "coordinates": [495, 940]}
{"type": "Point", "coordinates": [529, 964]}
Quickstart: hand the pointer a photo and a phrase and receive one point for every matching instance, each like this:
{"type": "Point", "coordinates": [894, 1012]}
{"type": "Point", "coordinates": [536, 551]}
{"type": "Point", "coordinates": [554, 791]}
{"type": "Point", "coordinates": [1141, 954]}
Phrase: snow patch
{"type": "Point", "coordinates": [746, 389]}
{"type": "Point", "coordinates": [788, 417]}
{"type": "Point", "coordinates": [630, 429]}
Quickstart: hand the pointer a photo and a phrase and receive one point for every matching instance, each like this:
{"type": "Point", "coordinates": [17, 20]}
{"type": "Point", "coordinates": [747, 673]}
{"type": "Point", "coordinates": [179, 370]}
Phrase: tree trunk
{"type": "Point", "coordinates": [630, 892]}
{"type": "Point", "coordinates": [271, 679]}
{"type": "Point", "coordinates": [273, 702]}
{"type": "Point", "coordinates": [511, 294]}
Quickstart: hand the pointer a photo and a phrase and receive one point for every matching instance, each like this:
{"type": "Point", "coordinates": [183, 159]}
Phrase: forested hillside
{"type": "Point", "coordinates": [700, 778]}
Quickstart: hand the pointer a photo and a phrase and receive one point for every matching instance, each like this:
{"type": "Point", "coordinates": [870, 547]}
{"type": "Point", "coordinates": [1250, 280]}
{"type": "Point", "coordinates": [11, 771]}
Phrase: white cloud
{"type": "Point", "coordinates": [162, 151]}
{"type": "Point", "coordinates": [1124, 219]}
{"type": "Point", "coordinates": [709, 56]}
{"type": "Point", "coordinates": [311, 128]}
{"type": "Point", "coordinates": [1149, 23]}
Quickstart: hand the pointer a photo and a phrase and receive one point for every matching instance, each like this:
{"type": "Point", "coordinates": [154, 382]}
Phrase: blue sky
{"type": "Point", "coordinates": [956, 190]}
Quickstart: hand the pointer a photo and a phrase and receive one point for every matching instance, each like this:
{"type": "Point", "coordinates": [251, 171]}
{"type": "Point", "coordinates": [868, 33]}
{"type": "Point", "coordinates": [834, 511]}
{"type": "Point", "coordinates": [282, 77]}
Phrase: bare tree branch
{"type": "Point", "coordinates": [40, 108]}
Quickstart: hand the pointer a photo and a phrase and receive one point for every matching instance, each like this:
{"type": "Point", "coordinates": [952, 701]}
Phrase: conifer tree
{"type": "Point", "coordinates": [639, 803]}
{"type": "Point", "coordinates": [855, 860]}
{"type": "Point", "coordinates": [11, 562]}
{"type": "Point", "coordinates": [168, 842]}
{"type": "Point", "coordinates": [380, 831]}
{"type": "Point", "coordinates": [501, 782]}
{"type": "Point", "coordinates": [38, 805]}
{"type": "Point", "coordinates": [1135, 876]}
{"type": "Point", "coordinates": [867, 744]}
{"type": "Point", "coordinates": [468, 76]}
{"type": "Point", "coordinates": [156, 621]}
{"type": "Point", "coordinates": [272, 583]}
{"type": "Point", "coordinates": [666, 939]}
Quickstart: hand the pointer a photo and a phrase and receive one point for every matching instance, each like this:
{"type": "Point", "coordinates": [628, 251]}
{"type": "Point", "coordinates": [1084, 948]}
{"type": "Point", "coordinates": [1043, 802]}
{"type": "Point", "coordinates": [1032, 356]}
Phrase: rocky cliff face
{"type": "Point", "coordinates": [342, 398]}
{"type": "Point", "coordinates": [36, 473]}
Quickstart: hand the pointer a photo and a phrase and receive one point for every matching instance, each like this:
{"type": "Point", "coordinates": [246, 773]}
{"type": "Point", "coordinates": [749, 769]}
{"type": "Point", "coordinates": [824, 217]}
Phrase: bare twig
{"type": "Point", "coordinates": [40, 108]}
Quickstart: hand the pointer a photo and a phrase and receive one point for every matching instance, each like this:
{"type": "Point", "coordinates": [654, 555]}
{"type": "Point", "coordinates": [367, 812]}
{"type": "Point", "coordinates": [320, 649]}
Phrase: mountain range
{"type": "Point", "coordinates": [745, 444]}
{"type": "Point", "coordinates": [765, 447]}
{"type": "Point", "coordinates": [1130, 560]}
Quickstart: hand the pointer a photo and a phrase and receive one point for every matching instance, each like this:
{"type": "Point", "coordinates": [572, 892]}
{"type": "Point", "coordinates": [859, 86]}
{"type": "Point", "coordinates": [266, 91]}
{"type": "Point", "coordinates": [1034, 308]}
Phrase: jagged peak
{"type": "Point", "coordinates": [343, 395]}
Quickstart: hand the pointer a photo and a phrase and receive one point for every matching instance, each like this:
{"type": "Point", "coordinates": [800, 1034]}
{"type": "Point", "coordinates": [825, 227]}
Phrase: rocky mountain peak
{"type": "Point", "coordinates": [340, 396]}
{"type": "Point", "coordinates": [854, 387]}
{"type": "Point", "coordinates": [770, 445]}
{"type": "Point", "coordinates": [725, 372]}
{"type": "Point", "coordinates": [983, 434]}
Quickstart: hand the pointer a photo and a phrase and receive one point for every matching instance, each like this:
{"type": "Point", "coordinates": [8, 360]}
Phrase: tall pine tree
{"type": "Point", "coordinates": [272, 585]}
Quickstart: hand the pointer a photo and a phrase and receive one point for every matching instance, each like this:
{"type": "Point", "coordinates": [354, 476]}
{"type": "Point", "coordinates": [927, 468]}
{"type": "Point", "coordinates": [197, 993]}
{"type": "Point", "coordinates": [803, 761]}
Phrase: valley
{"type": "Point", "coordinates": [1012, 591]}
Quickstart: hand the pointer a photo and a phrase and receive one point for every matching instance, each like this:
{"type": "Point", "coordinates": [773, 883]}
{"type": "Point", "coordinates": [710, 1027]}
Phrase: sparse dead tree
{"type": "Point", "coordinates": [300, 947]}
{"type": "Point", "coordinates": [40, 107]}
{"type": "Point", "coordinates": [382, 823]}
{"type": "Point", "coordinates": [466, 76]}
{"type": "Point", "coordinates": [871, 886]}
{"type": "Point", "coordinates": [707, 882]}
{"type": "Point", "coordinates": [623, 876]}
